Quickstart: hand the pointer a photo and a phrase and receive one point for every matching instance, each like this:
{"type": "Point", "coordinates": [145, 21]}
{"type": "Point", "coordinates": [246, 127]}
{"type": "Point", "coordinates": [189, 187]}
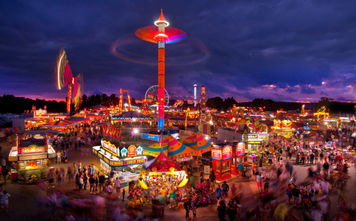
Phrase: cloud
{"type": "Point", "coordinates": [292, 45]}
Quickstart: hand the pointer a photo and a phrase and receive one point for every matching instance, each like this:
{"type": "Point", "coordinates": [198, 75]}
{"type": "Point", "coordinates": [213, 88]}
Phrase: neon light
{"type": "Point", "coordinates": [58, 70]}
{"type": "Point", "coordinates": [161, 35]}
{"type": "Point", "coordinates": [158, 22]}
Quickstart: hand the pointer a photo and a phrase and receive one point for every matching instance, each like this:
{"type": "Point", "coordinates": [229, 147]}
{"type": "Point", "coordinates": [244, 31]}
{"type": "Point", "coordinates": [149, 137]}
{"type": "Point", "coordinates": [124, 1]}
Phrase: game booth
{"type": "Point", "coordinates": [156, 175]}
{"type": "Point", "coordinates": [238, 154]}
{"type": "Point", "coordinates": [162, 172]}
{"type": "Point", "coordinates": [221, 156]}
{"type": "Point", "coordinates": [31, 156]}
{"type": "Point", "coordinates": [123, 162]}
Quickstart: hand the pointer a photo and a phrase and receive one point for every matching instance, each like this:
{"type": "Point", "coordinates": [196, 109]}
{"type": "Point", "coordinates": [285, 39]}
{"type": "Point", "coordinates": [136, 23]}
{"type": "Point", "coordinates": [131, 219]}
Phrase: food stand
{"type": "Point", "coordinates": [31, 154]}
{"type": "Point", "coordinates": [221, 156]}
{"type": "Point", "coordinates": [238, 153]}
{"type": "Point", "coordinates": [254, 142]}
{"type": "Point", "coordinates": [122, 162]}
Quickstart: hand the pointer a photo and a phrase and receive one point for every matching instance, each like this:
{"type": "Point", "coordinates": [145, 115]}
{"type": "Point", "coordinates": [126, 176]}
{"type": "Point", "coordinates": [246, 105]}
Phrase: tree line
{"type": "Point", "coordinates": [17, 105]}
{"type": "Point", "coordinates": [12, 104]}
{"type": "Point", "coordinates": [332, 106]}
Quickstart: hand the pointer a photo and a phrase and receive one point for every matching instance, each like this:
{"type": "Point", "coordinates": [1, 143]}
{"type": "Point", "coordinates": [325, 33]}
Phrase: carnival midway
{"type": "Point", "coordinates": [157, 161]}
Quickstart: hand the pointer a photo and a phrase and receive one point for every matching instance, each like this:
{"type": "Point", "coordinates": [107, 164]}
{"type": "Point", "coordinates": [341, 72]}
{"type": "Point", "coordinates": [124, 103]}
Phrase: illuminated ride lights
{"type": "Point", "coordinates": [161, 35]}
{"type": "Point", "coordinates": [151, 95]}
{"type": "Point", "coordinates": [66, 78]}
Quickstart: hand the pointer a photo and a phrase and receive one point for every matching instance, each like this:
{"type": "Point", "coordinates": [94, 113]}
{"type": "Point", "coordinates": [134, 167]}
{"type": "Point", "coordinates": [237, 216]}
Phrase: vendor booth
{"type": "Point", "coordinates": [31, 154]}
{"type": "Point", "coordinates": [238, 153]}
{"type": "Point", "coordinates": [221, 156]}
{"type": "Point", "coordinates": [123, 162]}
{"type": "Point", "coordinates": [254, 142]}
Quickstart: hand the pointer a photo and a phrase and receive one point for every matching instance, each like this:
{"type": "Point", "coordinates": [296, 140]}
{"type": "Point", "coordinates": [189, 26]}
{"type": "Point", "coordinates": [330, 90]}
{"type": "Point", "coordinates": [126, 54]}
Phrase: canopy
{"type": "Point", "coordinates": [177, 150]}
{"type": "Point", "coordinates": [198, 143]}
{"type": "Point", "coordinates": [60, 123]}
{"type": "Point", "coordinates": [161, 162]}
{"type": "Point", "coordinates": [171, 146]}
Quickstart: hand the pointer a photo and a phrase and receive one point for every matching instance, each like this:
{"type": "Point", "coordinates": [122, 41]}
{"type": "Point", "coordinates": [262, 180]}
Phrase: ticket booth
{"type": "Point", "coordinates": [238, 153]}
{"type": "Point", "coordinates": [221, 156]}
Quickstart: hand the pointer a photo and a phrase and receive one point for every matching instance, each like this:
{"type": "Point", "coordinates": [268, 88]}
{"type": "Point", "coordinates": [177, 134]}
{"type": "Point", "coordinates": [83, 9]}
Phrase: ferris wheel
{"type": "Point", "coordinates": [152, 95]}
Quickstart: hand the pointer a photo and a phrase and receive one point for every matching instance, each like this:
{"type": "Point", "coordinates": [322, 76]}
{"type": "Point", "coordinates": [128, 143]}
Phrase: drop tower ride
{"type": "Point", "coordinates": [161, 34]}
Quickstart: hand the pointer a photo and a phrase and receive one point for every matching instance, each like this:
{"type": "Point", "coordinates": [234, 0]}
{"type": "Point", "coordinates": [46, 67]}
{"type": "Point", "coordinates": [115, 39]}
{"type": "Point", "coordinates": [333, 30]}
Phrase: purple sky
{"type": "Point", "coordinates": [286, 50]}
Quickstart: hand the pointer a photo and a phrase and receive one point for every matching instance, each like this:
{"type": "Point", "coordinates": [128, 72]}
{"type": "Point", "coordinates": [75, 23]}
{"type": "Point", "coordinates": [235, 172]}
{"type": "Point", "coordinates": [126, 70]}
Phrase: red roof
{"type": "Point", "coordinates": [162, 163]}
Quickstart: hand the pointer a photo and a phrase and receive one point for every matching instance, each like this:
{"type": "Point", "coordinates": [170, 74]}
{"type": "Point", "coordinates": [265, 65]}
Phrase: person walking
{"type": "Point", "coordinates": [259, 182]}
{"type": "Point", "coordinates": [212, 177]}
{"type": "Point", "coordinates": [187, 205]}
{"type": "Point", "coordinates": [85, 180]}
{"type": "Point", "coordinates": [117, 186]}
{"type": "Point", "coordinates": [225, 188]}
{"type": "Point", "coordinates": [81, 181]}
{"type": "Point", "coordinates": [4, 200]}
{"type": "Point", "coordinates": [232, 210]}
{"type": "Point", "coordinates": [218, 192]}
{"type": "Point", "coordinates": [123, 194]}
{"type": "Point", "coordinates": [5, 172]}
{"type": "Point", "coordinates": [109, 189]}
{"type": "Point", "coordinates": [96, 184]}
{"type": "Point", "coordinates": [222, 209]}
{"type": "Point", "coordinates": [92, 184]}
{"type": "Point", "coordinates": [101, 182]}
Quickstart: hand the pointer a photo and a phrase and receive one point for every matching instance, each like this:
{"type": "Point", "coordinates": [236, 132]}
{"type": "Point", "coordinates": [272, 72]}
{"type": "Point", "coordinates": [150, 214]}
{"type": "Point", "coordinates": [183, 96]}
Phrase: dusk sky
{"type": "Point", "coordinates": [285, 50]}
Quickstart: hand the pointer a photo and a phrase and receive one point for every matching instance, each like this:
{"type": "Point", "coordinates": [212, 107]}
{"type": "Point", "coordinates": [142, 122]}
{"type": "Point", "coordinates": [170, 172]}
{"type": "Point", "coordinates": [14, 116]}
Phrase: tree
{"type": "Point", "coordinates": [324, 101]}
{"type": "Point", "coordinates": [215, 103]}
{"type": "Point", "coordinates": [229, 103]}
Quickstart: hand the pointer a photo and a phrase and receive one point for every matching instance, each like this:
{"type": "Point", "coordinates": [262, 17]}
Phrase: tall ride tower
{"type": "Point", "coordinates": [195, 95]}
{"type": "Point", "coordinates": [161, 23]}
{"type": "Point", "coordinates": [161, 34]}
{"type": "Point", "coordinates": [202, 97]}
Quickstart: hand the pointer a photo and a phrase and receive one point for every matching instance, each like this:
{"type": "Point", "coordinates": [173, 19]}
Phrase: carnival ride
{"type": "Point", "coordinates": [161, 172]}
{"type": "Point", "coordinates": [192, 114]}
{"type": "Point", "coordinates": [178, 103]}
{"type": "Point", "coordinates": [321, 113]}
{"type": "Point", "coordinates": [161, 34]}
{"type": "Point", "coordinates": [151, 95]}
{"type": "Point", "coordinates": [66, 78]}
{"type": "Point", "coordinates": [122, 100]}
{"type": "Point", "coordinates": [202, 98]}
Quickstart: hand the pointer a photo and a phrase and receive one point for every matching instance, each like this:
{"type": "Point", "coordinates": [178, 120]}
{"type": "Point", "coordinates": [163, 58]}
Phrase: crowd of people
{"type": "Point", "coordinates": [280, 193]}
{"type": "Point", "coordinates": [282, 197]}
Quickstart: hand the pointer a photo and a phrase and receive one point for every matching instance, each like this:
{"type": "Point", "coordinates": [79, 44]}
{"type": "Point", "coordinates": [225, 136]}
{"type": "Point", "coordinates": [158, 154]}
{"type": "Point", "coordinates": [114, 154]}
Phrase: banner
{"type": "Point", "coordinates": [112, 132]}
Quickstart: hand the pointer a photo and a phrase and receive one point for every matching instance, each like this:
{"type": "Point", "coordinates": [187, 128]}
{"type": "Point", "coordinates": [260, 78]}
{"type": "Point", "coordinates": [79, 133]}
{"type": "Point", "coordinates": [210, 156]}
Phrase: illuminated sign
{"type": "Point", "coordinates": [32, 149]}
{"type": "Point", "coordinates": [111, 148]}
{"type": "Point", "coordinates": [150, 137]}
{"type": "Point", "coordinates": [216, 153]}
{"type": "Point", "coordinates": [226, 152]}
{"type": "Point", "coordinates": [131, 151]}
{"type": "Point", "coordinates": [257, 137]}
{"type": "Point", "coordinates": [135, 161]}
{"type": "Point", "coordinates": [124, 152]}
{"type": "Point", "coordinates": [139, 150]}
{"type": "Point", "coordinates": [240, 148]}
{"type": "Point", "coordinates": [116, 163]}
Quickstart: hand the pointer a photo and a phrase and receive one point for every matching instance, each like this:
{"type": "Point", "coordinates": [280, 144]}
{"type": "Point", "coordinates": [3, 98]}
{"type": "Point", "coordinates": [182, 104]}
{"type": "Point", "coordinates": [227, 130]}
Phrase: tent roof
{"type": "Point", "coordinates": [161, 162]}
